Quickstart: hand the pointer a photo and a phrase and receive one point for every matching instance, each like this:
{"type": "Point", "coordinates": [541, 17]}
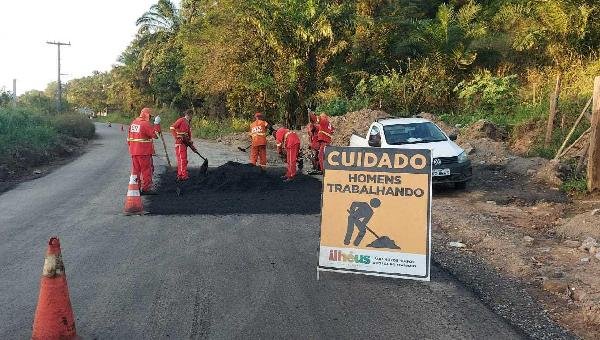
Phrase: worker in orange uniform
{"type": "Point", "coordinates": [141, 148]}
{"type": "Point", "coordinates": [313, 137]}
{"type": "Point", "coordinates": [183, 138]}
{"type": "Point", "coordinates": [324, 136]}
{"type": "Point", "coordinates": [258, 132]}
{"type": "Point", "coordinates": [290, 142]}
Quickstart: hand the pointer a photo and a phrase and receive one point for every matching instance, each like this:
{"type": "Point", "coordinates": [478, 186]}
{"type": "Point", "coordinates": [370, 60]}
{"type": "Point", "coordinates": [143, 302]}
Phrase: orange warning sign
{"type": "Point", "coordinates": [376, 211]}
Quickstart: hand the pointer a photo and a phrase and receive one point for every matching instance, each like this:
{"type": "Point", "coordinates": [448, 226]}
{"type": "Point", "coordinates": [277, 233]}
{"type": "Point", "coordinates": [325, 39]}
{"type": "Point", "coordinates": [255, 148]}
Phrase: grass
{"type": "Point", "coordinates": [522, 114]}
{"type": "Point", "coordinates": [29, 139]}
{"type": "Point", "coordinates": [576, 185]}
{"type": "Point", "coordinates": [210, 129]}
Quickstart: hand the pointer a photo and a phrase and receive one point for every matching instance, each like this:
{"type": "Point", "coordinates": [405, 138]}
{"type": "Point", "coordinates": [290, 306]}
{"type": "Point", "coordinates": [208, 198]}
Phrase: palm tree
{"type": "Point", "coordinates": [163, 17]}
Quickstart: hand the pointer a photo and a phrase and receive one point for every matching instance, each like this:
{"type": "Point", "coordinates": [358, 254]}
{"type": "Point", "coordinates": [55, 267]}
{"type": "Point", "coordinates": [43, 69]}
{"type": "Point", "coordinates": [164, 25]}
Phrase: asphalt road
{"type": "Point", "coordinates": [228, 276]}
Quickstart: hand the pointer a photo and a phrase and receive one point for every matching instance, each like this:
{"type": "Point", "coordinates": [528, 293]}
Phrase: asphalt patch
{"type": "Point", "coordinates": [235, 188]}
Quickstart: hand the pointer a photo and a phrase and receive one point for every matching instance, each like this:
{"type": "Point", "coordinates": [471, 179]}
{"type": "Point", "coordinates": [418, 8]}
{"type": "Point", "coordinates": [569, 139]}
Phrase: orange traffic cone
{"type": "Point", "coordinates": [133, 201]}
{"type": "Point", "coordinates": [53, 315]}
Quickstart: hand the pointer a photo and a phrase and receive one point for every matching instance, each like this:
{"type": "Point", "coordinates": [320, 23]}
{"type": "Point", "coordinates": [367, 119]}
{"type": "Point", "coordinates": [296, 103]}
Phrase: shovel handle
{"type": "Point", "coordinates": [165, 147]}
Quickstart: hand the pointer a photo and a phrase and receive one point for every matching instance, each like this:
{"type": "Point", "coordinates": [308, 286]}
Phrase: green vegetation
{"type": "Point", "coordinates": [577, 185]}
{"type": "Point", "coordinates": [493, 59]}
{"type": "Point", "coordinates": [208, 128]}
{"type": "Point", "coordinates": [30, 139]}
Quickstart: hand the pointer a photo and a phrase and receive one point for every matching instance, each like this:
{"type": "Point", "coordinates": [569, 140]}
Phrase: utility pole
{"type": "Point", "coordinates": [593, 170]}
{"type": "Point", "coordinates": [59, 93]}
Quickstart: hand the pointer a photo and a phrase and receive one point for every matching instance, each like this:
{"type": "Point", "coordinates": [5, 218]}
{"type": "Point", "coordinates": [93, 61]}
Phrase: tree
{"type": "Point", "coordinates": [89, 92]}
{"type": "Point", "coordinates": [553, 29]}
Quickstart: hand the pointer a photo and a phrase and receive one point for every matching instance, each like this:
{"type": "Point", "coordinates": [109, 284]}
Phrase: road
{"type": "Point", "coordinates": [221, 277]}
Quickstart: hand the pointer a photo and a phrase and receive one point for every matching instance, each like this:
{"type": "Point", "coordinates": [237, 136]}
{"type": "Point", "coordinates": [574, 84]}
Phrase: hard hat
{"type": "Point", "coordinates": [145, 113]}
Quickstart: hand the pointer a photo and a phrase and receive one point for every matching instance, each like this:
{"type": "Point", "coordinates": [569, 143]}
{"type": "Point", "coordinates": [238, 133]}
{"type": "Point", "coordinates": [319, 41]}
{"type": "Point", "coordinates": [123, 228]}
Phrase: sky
{"type": "Point", "coordinates": [99, 30]}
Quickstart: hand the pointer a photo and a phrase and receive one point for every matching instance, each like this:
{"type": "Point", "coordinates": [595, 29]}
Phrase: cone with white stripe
{"type": "Point", "coordinates": [53, 316]}
{"type": "Point", "coordinates": [133, 201]}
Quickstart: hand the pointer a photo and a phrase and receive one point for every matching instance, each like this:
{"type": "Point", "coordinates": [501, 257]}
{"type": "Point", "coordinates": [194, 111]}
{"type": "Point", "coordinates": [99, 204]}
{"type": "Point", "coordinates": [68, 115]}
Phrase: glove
{"type": "Point", "coordinates": [156, 120]}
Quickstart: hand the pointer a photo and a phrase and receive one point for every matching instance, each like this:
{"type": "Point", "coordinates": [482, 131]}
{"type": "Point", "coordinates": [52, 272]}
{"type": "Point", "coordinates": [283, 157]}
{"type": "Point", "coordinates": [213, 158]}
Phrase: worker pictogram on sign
{"type": "Point", "coordinates": [376, 212]}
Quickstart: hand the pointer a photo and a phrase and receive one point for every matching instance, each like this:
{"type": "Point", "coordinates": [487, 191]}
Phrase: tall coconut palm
{"type": "Point", "coordinates": [162, 17]}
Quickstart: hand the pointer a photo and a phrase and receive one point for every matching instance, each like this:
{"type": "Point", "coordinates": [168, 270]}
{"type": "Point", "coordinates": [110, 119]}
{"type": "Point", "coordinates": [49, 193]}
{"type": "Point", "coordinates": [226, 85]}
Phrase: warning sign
{"type": "Point", "coordinates": [376, 212]}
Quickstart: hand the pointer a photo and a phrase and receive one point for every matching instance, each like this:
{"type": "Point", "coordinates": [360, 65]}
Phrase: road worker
{"type": "Point", "coordinates": [258, 132]}
{"type": "Point", "coordinates": [183, 138]}
{"type": "Point", "coordinates": [288, 144]}
{"type": "Point", "coordinates": [140, 135]}
{"type": "Point", "coordinates": [324, 136]}
{"type": "Point", "coordinates": [313, 137]}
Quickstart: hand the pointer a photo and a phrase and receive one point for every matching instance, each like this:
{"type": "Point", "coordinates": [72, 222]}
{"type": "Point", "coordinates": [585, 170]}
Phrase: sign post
{"type": "Point", "coordinates": [376, 212]}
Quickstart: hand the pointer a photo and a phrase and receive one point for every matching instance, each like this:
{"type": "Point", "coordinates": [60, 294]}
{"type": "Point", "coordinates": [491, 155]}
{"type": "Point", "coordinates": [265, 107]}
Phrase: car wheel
{"type": "Point", "coordinates": [460, 185]}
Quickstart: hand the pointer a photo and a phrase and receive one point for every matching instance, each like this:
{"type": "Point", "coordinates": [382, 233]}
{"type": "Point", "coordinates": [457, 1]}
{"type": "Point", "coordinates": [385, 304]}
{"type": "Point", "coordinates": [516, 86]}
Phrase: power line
{"type": "Point", "coordinates": [59, 92]}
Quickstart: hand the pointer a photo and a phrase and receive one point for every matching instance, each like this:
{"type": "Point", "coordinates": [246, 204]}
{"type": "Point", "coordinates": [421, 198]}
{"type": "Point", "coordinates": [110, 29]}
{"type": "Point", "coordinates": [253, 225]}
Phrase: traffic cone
{"type": "Point", "coordinates": [53, 315]}
{"type": "Point", "coordinates": [133, 201]}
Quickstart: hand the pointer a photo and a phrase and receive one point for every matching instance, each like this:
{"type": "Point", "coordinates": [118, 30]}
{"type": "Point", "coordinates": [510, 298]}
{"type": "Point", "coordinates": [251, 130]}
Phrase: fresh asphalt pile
{"type": "Point", "coordinates": [235, 188]}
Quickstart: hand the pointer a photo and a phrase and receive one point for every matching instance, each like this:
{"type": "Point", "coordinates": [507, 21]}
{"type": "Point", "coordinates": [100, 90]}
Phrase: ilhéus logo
{"type": "Point", "coordinates": [339, 256]}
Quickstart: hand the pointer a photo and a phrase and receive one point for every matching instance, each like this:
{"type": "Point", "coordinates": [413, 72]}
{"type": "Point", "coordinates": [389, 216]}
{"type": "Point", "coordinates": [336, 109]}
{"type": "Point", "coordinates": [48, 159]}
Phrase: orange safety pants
{"type": "Point", "coordinates": [292, 158]}
{"type": "Point", "coordinates": [182, 162]}
{"type": "Point", "coordinates": [322, 146]}
{"type": "Point", "coordinates": [141, 166]}
{"type": "Point", "coordinates": [259, 153]}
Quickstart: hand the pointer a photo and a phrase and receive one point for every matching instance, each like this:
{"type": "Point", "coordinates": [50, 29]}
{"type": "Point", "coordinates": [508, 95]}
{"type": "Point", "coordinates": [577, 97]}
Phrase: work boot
{"type": "Point", "coordinates": [288, 179]}
{"type": "Point", "coordinates": [283, 177]}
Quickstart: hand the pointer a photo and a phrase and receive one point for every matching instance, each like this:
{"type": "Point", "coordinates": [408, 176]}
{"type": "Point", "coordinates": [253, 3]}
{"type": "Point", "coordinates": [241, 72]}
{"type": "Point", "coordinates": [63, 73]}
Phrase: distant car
{"type": "Point", "coordinates": [450, 163]}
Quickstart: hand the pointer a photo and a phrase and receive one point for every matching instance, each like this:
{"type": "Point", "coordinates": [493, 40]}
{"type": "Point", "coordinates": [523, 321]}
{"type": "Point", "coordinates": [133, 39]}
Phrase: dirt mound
{"type": "Point", "coordinates": [485, 129]}
{"type": "Point", "coordinates": [486, 151]}
{"type": "Point", "coordinates": [353, 122]}
{"type": "Point", "coordinates": [235, 188]}
{"type": "Point", "coordinates": [442, 125]}
{"type": "Point", "coordinates": [580, 226]}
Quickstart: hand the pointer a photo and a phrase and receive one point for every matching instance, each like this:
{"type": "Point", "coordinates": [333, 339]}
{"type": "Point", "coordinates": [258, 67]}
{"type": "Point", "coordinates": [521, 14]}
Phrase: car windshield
{"type": "Point", "coordinates": [413, 133]}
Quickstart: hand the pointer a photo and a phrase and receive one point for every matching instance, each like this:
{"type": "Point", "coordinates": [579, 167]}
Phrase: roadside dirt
{"type": "Point", "coordinates": [28, 166]}
{"type": "Point", "coordinates": [511, 222]}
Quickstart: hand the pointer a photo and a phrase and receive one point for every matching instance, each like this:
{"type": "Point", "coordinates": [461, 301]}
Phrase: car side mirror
{"type": "Point", "coordinates": [453, 136]}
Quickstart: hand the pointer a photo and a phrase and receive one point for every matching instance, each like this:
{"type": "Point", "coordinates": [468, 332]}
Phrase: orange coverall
{"type": "Point", "coordinates": [289, 141]}
{"type": "Point", "coordinates": [258, 151]}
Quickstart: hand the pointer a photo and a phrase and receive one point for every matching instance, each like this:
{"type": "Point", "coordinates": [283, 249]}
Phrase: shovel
{"type": "Point", "coordinates": [381, 241]}
{"type": "Point", "coordinates": [244, 149]}
{"type": "Point", "coordinates": [162, 138]}
{"type": "Point", "coordinates": [204, 166]}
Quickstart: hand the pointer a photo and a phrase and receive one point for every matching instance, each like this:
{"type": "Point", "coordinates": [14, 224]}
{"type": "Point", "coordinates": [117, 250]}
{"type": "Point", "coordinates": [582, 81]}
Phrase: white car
{"type": "Point", "coordinates": [450, 163]}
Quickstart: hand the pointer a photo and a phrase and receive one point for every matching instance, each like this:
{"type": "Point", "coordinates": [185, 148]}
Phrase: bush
{"type": "Point", "coordinates": [30, 139]}
{"type": "Point", "coordinates": [489, 93]}
{"type": "Point", "coordinates": [211, 129]}
{"type": "Point", "coordinates": [575, 185]}
{"type": "Point", "coordinates": [425, 86]}
{"type": "Point", "coordinates": [340, 106]}
{"type": "Point", "coordinates": [20, 129]}
{"type": "Point", "coordinates": [74, 125]}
